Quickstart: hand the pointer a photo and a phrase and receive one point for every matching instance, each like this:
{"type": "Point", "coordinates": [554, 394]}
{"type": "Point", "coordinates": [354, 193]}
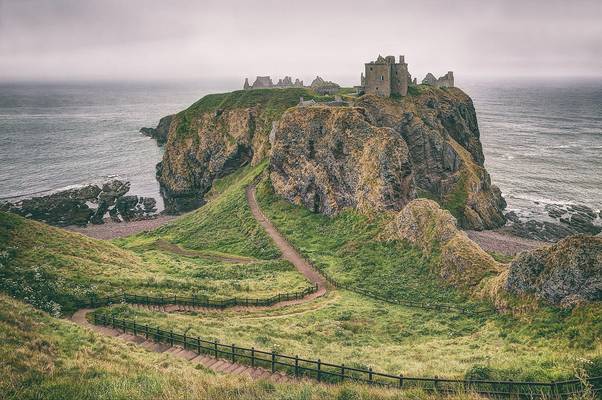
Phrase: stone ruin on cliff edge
{"type": "Point", "coordinates": [265, 82]}
{"type": "Point", "coordinates": [385, 77]}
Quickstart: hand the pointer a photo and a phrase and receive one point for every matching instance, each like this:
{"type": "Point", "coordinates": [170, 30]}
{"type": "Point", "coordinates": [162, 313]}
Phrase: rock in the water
{"type": "Point", "coordinates": [330, 158]}
{"type": "Point", "coordinates": [161, 132]}
{"type": "Point", "coordinates": [570, 220]}
{"type": "Point", "coordinates": [80, 206]}
{"type": "Point", "coordinates": [565, 274]}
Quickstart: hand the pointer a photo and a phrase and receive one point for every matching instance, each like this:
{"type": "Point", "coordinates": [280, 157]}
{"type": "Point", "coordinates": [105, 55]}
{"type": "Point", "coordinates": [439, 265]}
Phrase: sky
{"type": "Point", "coordinates": [212, 40]}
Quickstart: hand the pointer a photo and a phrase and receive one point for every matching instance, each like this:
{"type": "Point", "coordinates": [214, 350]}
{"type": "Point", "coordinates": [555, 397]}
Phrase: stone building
{"type": "Point", "coordinates": [446, 80]}
{"type": "Point", "coordinates": [265, 82]}
{"type": "Point", "coordinates": [321, 86]}
{"type": "Point", "coordinates": [385, 77]}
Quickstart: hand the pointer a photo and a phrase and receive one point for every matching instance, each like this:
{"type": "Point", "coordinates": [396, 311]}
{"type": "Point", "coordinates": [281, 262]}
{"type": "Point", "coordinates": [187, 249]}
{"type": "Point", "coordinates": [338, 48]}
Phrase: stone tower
{"type": "Point", "coordinates": [384, 77]}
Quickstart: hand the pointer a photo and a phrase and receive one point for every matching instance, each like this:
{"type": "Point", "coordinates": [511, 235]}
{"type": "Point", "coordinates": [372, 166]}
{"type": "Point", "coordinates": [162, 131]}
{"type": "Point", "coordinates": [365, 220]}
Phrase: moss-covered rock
{"type": "Point", "coordinates": [459, 260]}
{"type": "Point", "coordinates": [566, 274]}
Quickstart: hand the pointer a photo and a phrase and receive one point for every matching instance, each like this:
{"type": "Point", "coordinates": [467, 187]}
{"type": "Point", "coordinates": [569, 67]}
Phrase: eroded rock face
{"type": "Point", "coordinates": [330, 158]}
{"type": "Point", "coordinates": [441, 131]}
{"type": "Point", "coordinates": [565, 274]}
{"type": "Point", "coordinates": [462, 262]}
{"type": "Point", "coordinates": [161, 132]}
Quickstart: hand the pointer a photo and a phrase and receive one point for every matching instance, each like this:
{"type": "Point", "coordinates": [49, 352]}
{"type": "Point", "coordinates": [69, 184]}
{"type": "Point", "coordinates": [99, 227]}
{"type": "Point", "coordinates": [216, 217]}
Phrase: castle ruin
{"type": "Point", "coordinates": [265, 82]}
{"type": "Point", "coordinates": [385, 77]}
{"type": "Point", "coordinates": [446, 80]}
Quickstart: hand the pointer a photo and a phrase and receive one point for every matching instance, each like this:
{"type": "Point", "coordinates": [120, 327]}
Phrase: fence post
{"type": "Point", "coordinates": [175, 299]}
{"type": "Point", "coordinates": [436, 382]}
{"type": "Point", "coordinates": [510, 386]}
{"type": "Point", "coordinates": [198, 345]}
{"type": "Point", "coordinates": [146, 331]}
{"type": "Point", "coordinates": [171, 337]}
{"type": "Point", "coordinates": [184, 340]}
{"type": "Point", "coordinates": [135, 328]}
{"type": "Point", "coordinates": [296, 366]}
{"type": "Point", "coordinates": [370, 375]}
{"type": "Point", "coordinates": [342, 372]}
{"type": "Point", "coordinates": [273, 361]}
{"type": "Point", "coordinates": [400, 380]}
{"type": "Point", "coordinates": [215, 347]}
{"type": "Point", "coordinates": [253, 357]}
{"type": "Point", "coordinates": [233, 353]}
{"type": "Point", "coordinates": [319, 370]}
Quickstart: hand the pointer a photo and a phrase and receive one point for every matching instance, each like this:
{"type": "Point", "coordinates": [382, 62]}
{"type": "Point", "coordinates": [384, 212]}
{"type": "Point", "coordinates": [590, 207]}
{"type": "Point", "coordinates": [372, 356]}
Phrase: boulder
{"type": "Point", "coordinates": [434, 231]}
{"type": "Point", "coordinates": [330, 158]}
{"type": "Point", "coordinates": [565, 274]}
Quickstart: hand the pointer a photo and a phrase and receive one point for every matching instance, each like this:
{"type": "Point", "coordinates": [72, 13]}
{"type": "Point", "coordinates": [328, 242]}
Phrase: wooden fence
{"type": "Point", "coordinates": [197, 301]}
{"type": "Point", "coordinates": [335, 373]}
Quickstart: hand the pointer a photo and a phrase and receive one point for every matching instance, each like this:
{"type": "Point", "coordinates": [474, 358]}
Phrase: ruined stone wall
{"type": "Point", "coordinates": [399, 79]}
{"type": "Point", "coordinates": [378, 79]}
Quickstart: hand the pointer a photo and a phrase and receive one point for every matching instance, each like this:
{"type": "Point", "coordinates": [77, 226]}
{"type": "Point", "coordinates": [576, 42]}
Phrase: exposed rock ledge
{"type": "Point", "coordinates": [161, 132]}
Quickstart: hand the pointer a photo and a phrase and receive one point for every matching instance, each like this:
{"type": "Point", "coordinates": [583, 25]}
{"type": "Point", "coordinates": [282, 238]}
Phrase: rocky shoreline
{"type": "Point", "coordinates": [90, 204]}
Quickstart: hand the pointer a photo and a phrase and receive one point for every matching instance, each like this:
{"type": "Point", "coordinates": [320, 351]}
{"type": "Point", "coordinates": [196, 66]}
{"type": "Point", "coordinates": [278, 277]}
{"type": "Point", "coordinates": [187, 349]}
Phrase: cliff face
{"type": "Point", "coordinates": [441, 132]}
{"type": "Point", "coordinates": [376, 155]}
{"type": "Point", "coordinates": [214, 137]}
{"type": "Point", "coordinates": [330, 158]}
{"type": "Point", "coordinates": [161, 132]}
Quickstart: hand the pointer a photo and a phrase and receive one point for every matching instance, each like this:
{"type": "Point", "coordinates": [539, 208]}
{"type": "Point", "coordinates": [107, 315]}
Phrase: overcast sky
{"type": "Point", "coordinates": [185, 40]}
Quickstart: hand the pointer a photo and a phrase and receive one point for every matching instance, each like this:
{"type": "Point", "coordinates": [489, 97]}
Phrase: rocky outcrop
{"type": "Point", "coordinates": [566, 274]}
{"type": "Point", "coordinates": [160, 132]}
{"type": "Point", "coordinates": [88, 204]}
{"type": "Point", "coordinates": [569, 220]}
{"type": "Point", "coordinates": [330, 158]}
{"type": "Point", "coordinates": [441, 131]}
{"type": "Point", "coordinates": [214, 137]}
{"type": "Point", "coordinates": [383, 152]}
{"type": "Point", "coordinates": [461, 261]}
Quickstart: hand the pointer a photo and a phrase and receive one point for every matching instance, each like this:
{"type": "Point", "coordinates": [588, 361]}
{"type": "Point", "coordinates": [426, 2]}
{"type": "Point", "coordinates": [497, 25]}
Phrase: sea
{"type": "Point", "coordinates": [542, 139]}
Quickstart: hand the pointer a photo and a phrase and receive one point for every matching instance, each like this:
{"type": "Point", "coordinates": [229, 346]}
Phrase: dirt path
{"type": "Point", "coordinates": [288, 251]}
{"type": "Point", "coordinates": [501, 243]}
{"type": "Point", "coordinates": [219, 364]}
{"type": "Point", "coordinates": [214, 363]}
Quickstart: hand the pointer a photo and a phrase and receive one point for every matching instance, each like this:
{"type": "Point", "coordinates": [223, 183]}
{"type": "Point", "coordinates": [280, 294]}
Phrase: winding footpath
{"type": "Point", "coordinates": [219, 364]}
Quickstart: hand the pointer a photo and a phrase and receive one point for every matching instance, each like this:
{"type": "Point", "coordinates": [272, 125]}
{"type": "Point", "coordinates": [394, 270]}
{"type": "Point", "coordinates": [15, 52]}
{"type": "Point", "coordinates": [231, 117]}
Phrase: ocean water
{"type": "Point", "coordinates": [542, 140]}
{"type": "Point", "coordinates": [55, 136]}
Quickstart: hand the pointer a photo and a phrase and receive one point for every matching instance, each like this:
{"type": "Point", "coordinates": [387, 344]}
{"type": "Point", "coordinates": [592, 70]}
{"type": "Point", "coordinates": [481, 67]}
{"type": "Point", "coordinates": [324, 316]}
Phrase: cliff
{"type": "Point", "coordinates": [330, 158]}
{"type": "Point", "coordinates": [377, 154]}
{"type": "Point", "coordinates": [161, 132]}
{"type": "Point", "coordinates": [215, 136]}
{"type": "Point", "coordinates": [441, 131]}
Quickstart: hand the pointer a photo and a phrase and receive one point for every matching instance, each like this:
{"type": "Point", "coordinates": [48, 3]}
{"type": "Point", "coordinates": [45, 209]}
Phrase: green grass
{"type": "Point", "coordinates": [225, 224]}
{"type": "Point", "coordinates": [47, 358]}
{"type": "Point", "coordinates": [269, 103]}
{"type": "Point", "coordinates": [351, 329]}
{"type": "Point", "coordinates": [348, 248]}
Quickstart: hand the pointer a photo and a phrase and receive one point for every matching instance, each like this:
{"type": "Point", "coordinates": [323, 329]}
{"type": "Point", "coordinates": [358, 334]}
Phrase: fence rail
{"type": "Point", "coordinates": [335, 373]}
{"type": "Point", "coordinates": [198, 301]}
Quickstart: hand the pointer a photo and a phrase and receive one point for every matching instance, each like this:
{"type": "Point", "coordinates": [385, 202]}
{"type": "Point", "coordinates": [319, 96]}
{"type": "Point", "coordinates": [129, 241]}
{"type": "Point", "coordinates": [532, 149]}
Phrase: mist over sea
{"type": "Point", "coordinates": [542, 139]}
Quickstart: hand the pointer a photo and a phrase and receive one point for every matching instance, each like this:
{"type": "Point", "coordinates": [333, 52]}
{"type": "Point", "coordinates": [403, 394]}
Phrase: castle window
{"type": "Point", "coordinates": [382, 77]}
{"type": "Point", "coordinates": [370, 68]}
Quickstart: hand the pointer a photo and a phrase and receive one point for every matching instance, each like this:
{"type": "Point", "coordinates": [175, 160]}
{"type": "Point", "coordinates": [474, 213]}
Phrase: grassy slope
{"type": "Point", "coordinates": [224, 225]}
{"type": "Point", "coordinates": [351, 329]}
{"type": "Point", "coordinates": [47, 358]}
{"type": "Point", "coordinates": [73, 266]}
